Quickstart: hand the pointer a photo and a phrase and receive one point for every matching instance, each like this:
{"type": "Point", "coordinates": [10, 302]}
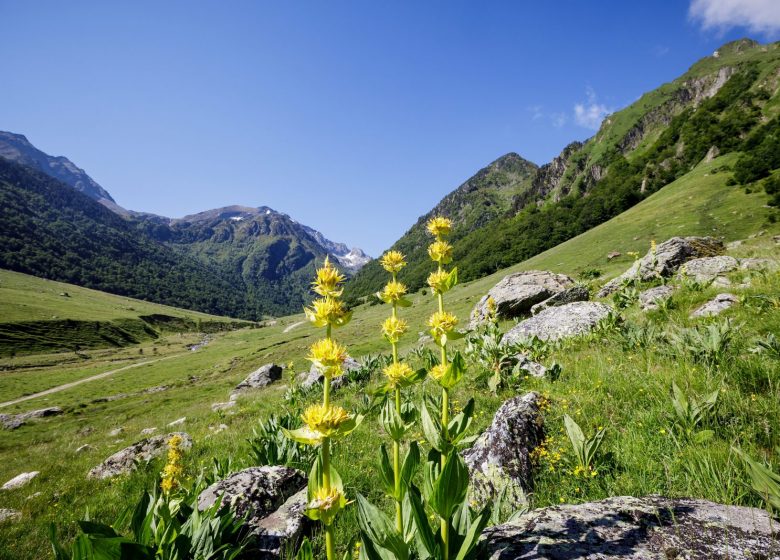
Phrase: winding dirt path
{"type": "Point", "coordinates": [85, 380]}
{"type": "Point", "coordinates": [288, 328]}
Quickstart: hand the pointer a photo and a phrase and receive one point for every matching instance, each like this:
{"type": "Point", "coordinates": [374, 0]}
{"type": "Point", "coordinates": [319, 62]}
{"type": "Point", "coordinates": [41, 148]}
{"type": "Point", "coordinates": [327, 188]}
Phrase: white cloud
{"type": "Point", "coordinates": [558, 119]}
{"type": "Point", "coordinates": [591, 113]}
{"type": "Point", "coordinates": [758, 16]}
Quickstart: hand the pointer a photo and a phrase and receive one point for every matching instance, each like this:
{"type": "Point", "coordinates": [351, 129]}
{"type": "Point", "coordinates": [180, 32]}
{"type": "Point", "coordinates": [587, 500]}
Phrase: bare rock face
{"type": "Point", "coordinates": [124, 461]}
{"type": "Point", "coordinates": [569, 295]}
{"type": "Point", "coordinates": [668, 257]}
{"type": "Point", "coordinates": [650, 298]}
{"type": "Point", "coordinates": [627, 528]}
{"type": "Point", "coordinates": [313, 376]}
{"type": "Point", "coordinates": [555, 323]}
{"type": "Point", "coordinates": [20, 480]}
{"type": "Point", "coordinates": [271, 500]}
{"type": "Point", "coordinates": [715, 306]}
{"type": "Point", "coordinates": [707, 269]}
{"type": "Point", "coordinates": [502, 454]}
{"type": "Point", "coordinates": [259, 378]}
{"type": "Point", "coordinates": [516, 293]}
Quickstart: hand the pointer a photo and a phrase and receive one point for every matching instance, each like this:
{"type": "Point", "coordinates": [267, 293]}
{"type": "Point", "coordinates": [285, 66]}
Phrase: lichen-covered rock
{"type": "Point", "coordinates": [218, 406]}
{"type": "Point", "coordinates": [715, 306]}
{"type": "Point", "coordinates": [124, 461]}
{"type": "Point", "coordinates": [627, 528]}
{"type": "Point", "coordinates": [650, 298]}
{"type": "Point", "coordinates": [9, 515]}
{"type": "Point", "coordinates": [262, 377]}
{"type": "Point", "coordinates": [313, 376]}
{"type": "Point", "coordinates": [530, 367]}
{"type": "Point", "coordinates": [565, 321]}
{"type": "Point", "coordinates": [757, 264]}
{"type": "Point", "coordinates": [707, 269]}
{"type": "Point", "coordinates": [668, 257]}
{"type": "Point", "coordinates": [502, 454]}
{"type": "Point", "coordinates": [569, 295]}
{"type": "Point", "coordinates": [516, 293]}
{"type": "Point", "coordinates": [20, 480]}
{"type": "Point", "coordinates": [270, 499]}
{"type": "Point", "coordinates": [14, 421]}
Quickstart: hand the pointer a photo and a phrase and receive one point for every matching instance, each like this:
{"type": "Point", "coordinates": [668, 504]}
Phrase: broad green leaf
{"type": "Point", "coordinates": [425, 535]}
{"type": "Point", "coordinates": [386, 473]}
{"type": "Point", "coordinates": [305, 552]}
{"type": "Point", "coordinates": [380, 529]}
{"type": "Point", "coordinates": [468, 547]}
{"type": "Point", "coordinates": [449, 489]}
{"type": "Point", "coordinates": [432, 429]}
{"type": "Point", "coordinates": [458, 425]}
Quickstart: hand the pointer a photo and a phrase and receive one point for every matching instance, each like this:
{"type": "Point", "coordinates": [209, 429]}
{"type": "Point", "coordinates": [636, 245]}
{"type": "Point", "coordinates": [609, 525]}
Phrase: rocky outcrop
{"type": "Point", "coordinates": [666, 260]}
{"type": "Point", "coordinates": [501, 457]}
{"type": "Point", "coordinates": [270, 499]}
{"type": "Point", "coordinates": [259, 378]}
{"type": "Point", "coordinates": [650, 298]}
{"type": "Point", "coordinates": [313, 376]}
{"type": "Point", "coordinates": [757, 264]}
{"type": "Point", "coordinates": [627, 528]}
{"type": "Point", "coordinates": [517, 293]}
{"type": "Point", "coordinates": [20, 480]}
{"type": "Point", "coordinates": [715, 306]}
{"type": "Point", "coordinates": [14, 421]}
{"type": "Point", "coordinates": [124, 461]}
{"type": "Point", "coordinates": [569, 295]}
{"type": "Point", "coordinates": [555, 323]}
{"type": "Point", "coordinates": [707, 269]}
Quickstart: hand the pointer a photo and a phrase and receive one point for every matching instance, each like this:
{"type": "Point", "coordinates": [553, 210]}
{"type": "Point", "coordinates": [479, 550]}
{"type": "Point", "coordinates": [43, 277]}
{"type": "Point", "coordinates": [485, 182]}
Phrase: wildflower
{"type": "Point", "coordinates": [325, 421]}
{"type": "Point", "coordinates": [327, 311]}
{"type": "Point", "coordinates": [439, 281]}
{"type": "Point", "coordinates": [327, 281]}
{"type": "Point", "coordinates": [440, 251]}
{"type": "Point", "coordinates": [393, 291]}
{"type": "Point", "coordinates": [173, 470]}
{"type": "Point", "coordinates": [328, 356]}
{"type": "Point", "coordinates": [399, 373]}
{"type": "Point", "coordinates": [393, 328]}
{"type": "Point", "coordinates": [438, 371]}
{"type": "Point", "coordinates": [441, 323]}
{"type": "Point", "coordinates": [439, 226]}
{"type": "Point", "coordinates": [492, 309]}
{"type": "Point", "coordinates": [392, 261]}
{"type": "Point", "coordinates": [326, 504]}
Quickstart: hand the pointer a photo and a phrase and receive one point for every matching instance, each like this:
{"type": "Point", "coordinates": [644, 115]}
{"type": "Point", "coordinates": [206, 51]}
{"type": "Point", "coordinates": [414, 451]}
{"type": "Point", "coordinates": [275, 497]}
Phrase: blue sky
{"type": "Point", "coordinates": [353, 117]}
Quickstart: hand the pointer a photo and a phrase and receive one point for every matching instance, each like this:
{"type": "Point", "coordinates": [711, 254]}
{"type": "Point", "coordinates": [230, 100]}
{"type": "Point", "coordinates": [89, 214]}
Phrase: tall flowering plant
{"type": "Point", "coordinates": [325, 422]}
{"type": "Point", "coordinates": [445, 475]}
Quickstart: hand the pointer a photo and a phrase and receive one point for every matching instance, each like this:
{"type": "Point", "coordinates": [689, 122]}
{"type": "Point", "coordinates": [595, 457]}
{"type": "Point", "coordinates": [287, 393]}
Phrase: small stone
{"type": "Point", "coordinates": [313, 376]}
{"type": "Point", "coordinates": [9, 515]}
{"type": "Point", "coordinates": [757, 264]}
{"type": "Point", "coordinates": [534, 369]}
{"type": "Point", "coordinates": [84, 448]}
{"type": "Point", "coordinates": [148, 431]}
{"type": "Point", "coordinates": [262, 377]}
{"type": "Point", "coordinates": [708, 269]}
{"type": "Point", "coordinates": [650, 298]}
{"type": "Point", "coordinates": [555, 323]}
{"type": "Point", "coordinates": [716, 305]}
{"type": "Point", "coordinates": [178, 422]}
{"type": "Point", "coordinates": [614, 255]}
{"type": "Point", "coordinates": [116, 432]}
{"type": "Point", "coordinates": [20, 480]}
{"type": "Point", "coordinates": [216, 407]}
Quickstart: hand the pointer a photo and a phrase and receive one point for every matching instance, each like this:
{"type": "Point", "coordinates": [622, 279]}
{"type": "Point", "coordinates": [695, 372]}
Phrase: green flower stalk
{"type": "Point", "coordinates": [326, 422]}
{"type": "Point", "coordinates": [398, 374]}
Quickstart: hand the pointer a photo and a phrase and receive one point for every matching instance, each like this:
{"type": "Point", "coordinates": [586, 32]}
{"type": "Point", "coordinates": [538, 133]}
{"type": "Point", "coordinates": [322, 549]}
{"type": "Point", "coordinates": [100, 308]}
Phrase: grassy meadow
{"type": "Point", "coordinates": [618, 378]}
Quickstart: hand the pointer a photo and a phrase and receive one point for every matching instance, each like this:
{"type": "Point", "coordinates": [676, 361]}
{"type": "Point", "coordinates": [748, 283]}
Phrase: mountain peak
{"type": "Point", "coordinates": [17, 148]}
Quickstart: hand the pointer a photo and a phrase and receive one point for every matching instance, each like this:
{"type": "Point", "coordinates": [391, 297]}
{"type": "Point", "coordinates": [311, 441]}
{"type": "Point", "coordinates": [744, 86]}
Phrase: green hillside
{"type": "Point", "coordinates": [43, 315]}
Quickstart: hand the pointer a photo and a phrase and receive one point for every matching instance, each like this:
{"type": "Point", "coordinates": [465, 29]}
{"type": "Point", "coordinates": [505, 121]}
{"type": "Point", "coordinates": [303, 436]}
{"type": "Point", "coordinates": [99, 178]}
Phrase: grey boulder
{"type": "Point", "coordinates": [715, 306]}
{"type": "Point", "coordinates": [313, 376]}
{"type": "Point", "coordinates": [516, 293]}
{"type": "Point", "coordinates": [20, 480]}
{"type": "Point", "coordinates": [9, 515]}
{"type": "Point", "coordinates": [555, 323]}
{"type": "Point", "coordinates": [628, 528]}
{"type": "Point", "coordinates": [707, 269]}
{"type": "Point", "coordinates": [271, 500]}
{"type": "Point", "coordinates": [668, 257]}
{"type": "Point", "coordinates": [14, 421]}
{"type": "Point", "coordinates": [650, 298]}
{"type": "Point", "coordinates": [125, 461]}
{"type": "Point", "coordinates": [501, 457]}
{"type": "Point", "coordinates": [262, 377]}
{"type": "Point", "coordinates": [569, 295]}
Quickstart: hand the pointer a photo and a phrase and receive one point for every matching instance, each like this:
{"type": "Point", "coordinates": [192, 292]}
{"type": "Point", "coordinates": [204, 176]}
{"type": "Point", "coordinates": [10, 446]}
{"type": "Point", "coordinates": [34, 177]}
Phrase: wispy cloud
{"type": "Point", "coordinates": [591, 113]}
{"type": "Point", "coordinates": [536, 112]}
{"type": "Point", "coordinates": [558, 119]}
{"type": "Point", "coordinates": [758, 16]}
{"type": "Point", "coordinates": [660, 50]}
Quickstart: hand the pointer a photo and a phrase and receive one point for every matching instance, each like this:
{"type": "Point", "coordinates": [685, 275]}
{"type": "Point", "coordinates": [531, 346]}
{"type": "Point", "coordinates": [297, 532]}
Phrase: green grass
{"type": "Point", "coordinates": [603, 384]}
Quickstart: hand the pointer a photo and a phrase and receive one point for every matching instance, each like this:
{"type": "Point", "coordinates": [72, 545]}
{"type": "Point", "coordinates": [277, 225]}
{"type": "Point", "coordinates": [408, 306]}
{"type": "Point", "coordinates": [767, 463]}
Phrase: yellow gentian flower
{"type": "Point", "coordinates": [328, 279]}
{"type": "Point", "coordinates": [393, 291]}
{"type": "Point", "coordinates": [398, 373]}
{"type": "Point", "coordinates": [438, 281]}
{"type": "Point", "coordinates": [327, 311]}
{"type": "Point", "coordinates": [439, 226]}
{"type": "Point", "coordinates": [324, 421]}
{"type": "Point", "coordinates": [328, 356]}
{"type": "Point", "coordinates": [392, 261]}
{"type": "Point", "coordinates": [393, 328]}
{"type": "Point", "coordinates": [441, 323]}
{"type": "Point", "coordinates": [440, 251]}
{"type": "Point", "coordinates": [438, 371]}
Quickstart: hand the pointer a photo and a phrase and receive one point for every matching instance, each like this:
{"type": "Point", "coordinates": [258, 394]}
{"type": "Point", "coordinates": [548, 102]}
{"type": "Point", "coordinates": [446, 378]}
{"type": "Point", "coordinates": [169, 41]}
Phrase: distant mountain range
{"type": "Point", "coordinates": [265, 258]}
